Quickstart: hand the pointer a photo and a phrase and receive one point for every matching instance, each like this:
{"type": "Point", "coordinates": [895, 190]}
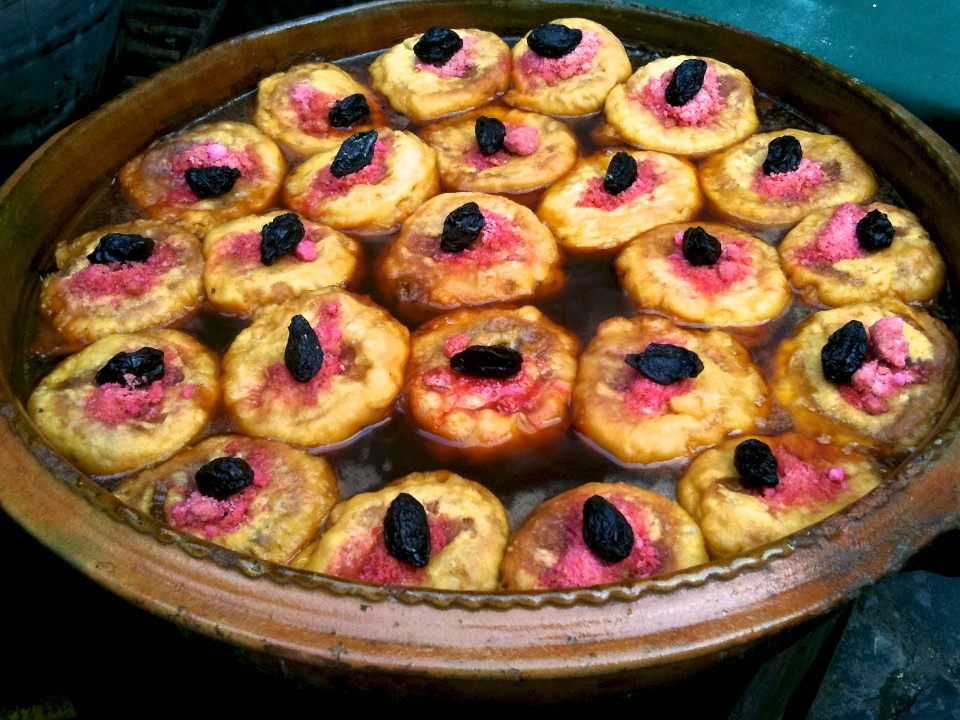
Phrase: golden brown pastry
{"type": "Point", "coordinates": [600, 533]}
{"type": "Point", "coordinates": [270, 258]}
{"type": "Point", "coordinates": [467, 250]}
{"type": "Point", "coordinates": [571, 77]}
{"type": "Point", "coordinates": [704, 273]}
{"type": "Point", "coordinates": [127, 400]}
{"type": "Point", "coordinates": [251, 495]}
{"type": "Point", "coordinates": [456, 532]}
{"type": "Point", "coordinates": [206, 175]}
{"type": "Point", "coordinates": [123, 278]}
{"type": "Point", "coordinates": [423, 80]}
{"type": "Point", "coordinates": [648, 390]}
{"type": "Point", "coordinates": [711, 109]}
{"type": "Point", "coordinates": [881, 382]}
{"type": "Point", "coordinates": [769, 488]}
{"type": "Point", "coordinates": [318, 380]}
{"type": "Point", "coordinates": [851, 253]}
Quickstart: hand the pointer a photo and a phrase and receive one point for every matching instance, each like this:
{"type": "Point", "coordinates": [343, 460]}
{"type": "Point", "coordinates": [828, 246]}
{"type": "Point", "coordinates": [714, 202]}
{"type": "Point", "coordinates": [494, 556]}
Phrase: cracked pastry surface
{"type": "Point", "coordinates": [639, 421]}
{"type": "Point", "coordinates": [272, 518]}
{"type": "Point", "coordinates": [815, 480]}
{"type": "Point", "coordinates": [548, 550]}
{"type": "Point", "coordinates": [114, 427]}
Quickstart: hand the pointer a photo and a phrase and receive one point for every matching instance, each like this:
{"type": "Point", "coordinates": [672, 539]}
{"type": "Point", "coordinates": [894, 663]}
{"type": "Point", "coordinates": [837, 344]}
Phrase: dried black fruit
{"type": "Point", "coordinates": [844, 353]}
{"type": "Point", "coordinates": [488, 361]}
{"type": "Point", "coordinates": [303, 355]}
{"type": "Point", "coordinates": [280, 237]}
{"type": "Point", "coordinates": [223, 476]}
{"type": "Point", "coordinates": [437, 45]}
{"type": "Point", "coordinates": [461, 228]}
{"type": "Point", "coordinates": [349, 111]}
{"type": "Point", "coordinates": [783, 155]}
{"type": "Point", "coordinates": [686, 82]}
{"type": "Point", "coordinates": [406, 531]}
{"type": "Point", "coordinates": [700, 247]}
{"type": "Point", "coordinates": [756, 464]}
{"type": "Point", "coordinates": [666, 364]}
{"type": "Point", "coordinates": [490, 133]}
{"type": "Point", "coordinates": [554, 41]}
{"type": "Point", "coordinates": [144, 365]}
{"type": "Point", "coordinates": [621, 173]}
{"type": "Point", "coordinates": [121, 247]}
{"type": "Point", "coordinates": [354, 154]}
{"type": "Point", "coordinates": [213, 181]}
{"type": "Point", "coordinates": [606, 531]}
{"type": "Point", "coordinates": [875, 231]}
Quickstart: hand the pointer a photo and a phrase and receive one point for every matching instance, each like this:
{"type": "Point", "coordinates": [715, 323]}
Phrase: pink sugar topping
{"type": "Point", "coordinates": [837, 239]}
{"type": "Point", "coordinates": [206, 516]}
{"type": "Point", "coordinates": [794, 185]}
{"type": "Point", "coordinates": [312, 107]}
{"type": "Point", "coordinates": [734, 265]}
{"type": "Point", "coordinates": [520, 140]}
{"type": "Point", "coordinates": [801, 484]}
{"type": "Point", "coordinates": [645, 398]}
{"type": "Point", "coordinates": [212, 154]}
{"type": "Point", "coordinates": [578, 566]}
{"type": "Point", "coordinates": [550, 71]}
{"type": "Point", "coordinates": [244, 248]}
{"type": "Point", "coordinates": [885, 370]}
{"type": "Point", "coordinates": [130, 279]}
{"type": "Point", "coordinates": [466, 392]}
{"type": "Point", "coordinates": [116, 403]}
{"type": "Point", "coordinates": [457, 66]}
{"type": "Point", "coordinates": [326, 185]}
{"type": "Point", "coordinates": [455, 343]}
{"type": "Point", "coordinates": [596, 196]}
{"type": "Point", "coordinates": [370, 561]}
{"type": "Point", "coordinates": [698, 111]}
{"type": "Point", "coordinates": [500, 241]}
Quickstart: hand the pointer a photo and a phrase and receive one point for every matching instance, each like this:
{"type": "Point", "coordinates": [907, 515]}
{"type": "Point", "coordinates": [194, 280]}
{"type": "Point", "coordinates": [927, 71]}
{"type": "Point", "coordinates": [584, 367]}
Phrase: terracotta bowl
{"type": "Point", "coordinates": [556, 645]}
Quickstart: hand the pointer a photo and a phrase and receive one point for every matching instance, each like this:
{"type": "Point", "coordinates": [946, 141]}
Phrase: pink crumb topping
{"type": "Point", "coordinates": [456, 67]}
{"type": "Point", "coordinates": [203, 515]}
{"type": "Point", "coordinates": [500, 241]}
{"type": "Point", "coordinates": [130, 279]}
{"type": "Point", "coordinates": [596, 196]}
{"type": "Point", "coordinates": [801, 484]}
{"type": "Point", "coordinates": [734, 265]}
{"type": "Point", "coordinates": [794, 185]}
{"type": "Point", "coordinates": [520, 140]}
{"type": "Point", "coordinates": [578, 566]}
{"type": "Point", "coordinates": [885, 371]}
{"type": "Point", "coordinates": [550, 71]}
{"type": "Point", "coordinates": [698, 111]}
{"type": "Point", "coordinates": [245, 248]}
{"type": "Point", "coordinates": [212, 154]}
{"type": "Point", "coordinates": [837, 239]}
{"type": "Point", "coordinates": [645, 398]}
{"type": "Point", "coordinates": [113, 404]}
{"type": "Point", "coordinates": [312, 107]}
{"type": "Point", "coordinates": [326, 185]}
{"type": "Point", "coordinates": [372, 562]}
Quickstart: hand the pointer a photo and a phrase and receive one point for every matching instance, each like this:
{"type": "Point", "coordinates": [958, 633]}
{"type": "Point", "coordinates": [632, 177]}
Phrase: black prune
{"type": "Point", "coordinates": [437, 45]}
{"type": "Point", "coordinates": [461, 228]}
{"type": "Point", "coordinates": [406, 531]}
{"type": "Point", "coordinates": [488, 361]}
{"type": "Point", "coordinates": [621, 173]}
{"type": "Point", "coordinates": [686, 82]}
{"type": "Point", "coordinates": [700, 247]}
{"type": "Point", "coordinates": [666, 364]}
{"type": "Point", "coordinates": [140, 367]}
{"type": "Point", "coordinates": [490, 134]}
{"type": "Point", "coordinates": [354, 154]}
{"type": "Point", "coordinates": [606, 531]}
{"type": "Point", "coordinates": [349, 111]}
{"type": "Point", "coordinates": [213, 181]}
{"type": "Point", "coordinates": [875, 231]}
{"type": "Point", "coordinates": [756, 464]}
{"type": "Point", "coordinates": [280, 237]}
{"type": "Point", "coordinates": [303, 355]}
{"type": "Point", "coordinates": [223, 476]}
{"type": "Point", "coordinates": [121, 247]}
{"type": "Point", "coordinates": [844, 353]}
{"type": "Point", "coordinates": [553, 40]}
{"type": "Point", "coordinates": [783, 155]}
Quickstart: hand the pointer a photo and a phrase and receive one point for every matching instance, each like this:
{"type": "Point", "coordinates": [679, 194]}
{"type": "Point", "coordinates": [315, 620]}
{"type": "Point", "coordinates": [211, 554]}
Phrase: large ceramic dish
{"type": "Point", "coordinates": [505, 646]}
